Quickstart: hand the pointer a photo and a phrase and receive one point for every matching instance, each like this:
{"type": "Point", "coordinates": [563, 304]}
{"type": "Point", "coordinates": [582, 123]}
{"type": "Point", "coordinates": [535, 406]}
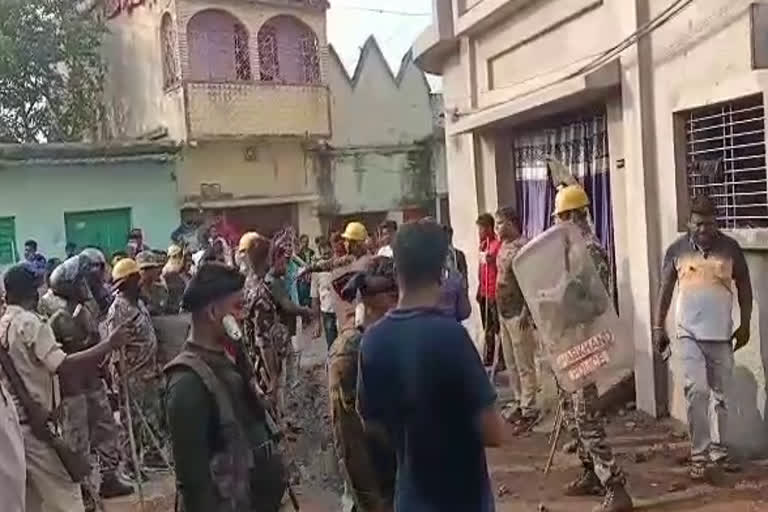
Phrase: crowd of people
{"type": "Point", "coordinates": [411, 405]}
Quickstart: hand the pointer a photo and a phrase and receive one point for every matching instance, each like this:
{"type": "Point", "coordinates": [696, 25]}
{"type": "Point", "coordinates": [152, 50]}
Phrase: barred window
{"type": "Point", "coordinates": [218, 47]}
{"type": "Point", "coordinates": [242, 54]}
{"type": "Point", "coordinates": [269, 67]}
{"type": "Point", "coordinates": [725, 159]}
{"type": "Point", "coordinates": [168, 41]}
{"type": "Point", "coordinates": [288, 52]}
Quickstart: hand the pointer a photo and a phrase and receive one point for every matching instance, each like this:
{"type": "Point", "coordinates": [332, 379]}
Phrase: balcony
{"type": "Point", "coordinates": [248, 109]}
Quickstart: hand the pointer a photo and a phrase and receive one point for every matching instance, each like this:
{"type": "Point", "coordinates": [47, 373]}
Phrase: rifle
{"type": "Point", "coordinates": [256, 392]}
{"type": "Point", "coordinates": [40, 421]}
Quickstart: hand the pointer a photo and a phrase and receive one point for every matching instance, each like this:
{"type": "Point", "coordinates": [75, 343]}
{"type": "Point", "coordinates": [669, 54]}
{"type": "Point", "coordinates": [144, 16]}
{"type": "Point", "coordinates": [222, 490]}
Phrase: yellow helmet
{"type": "Point", "coordinates": [570, 198]}
{"type": "Point", "coordinates": [123, 269]}
{"type": "Point", "coordinates": [174, 251]}
{"type": "Point", "coordinates": [247, 240]}
{"type": "Point", "coordinates": [355, 232]}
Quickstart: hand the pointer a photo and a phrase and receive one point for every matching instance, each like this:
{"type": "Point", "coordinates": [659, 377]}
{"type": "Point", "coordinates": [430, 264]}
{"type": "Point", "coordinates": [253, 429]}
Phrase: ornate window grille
{"type": "Point", "coordinates": [242, 54]}
{"type": "Point", "coordinates": [168, 41]}
{"type": "Point", "coordinates": [310, 62]}
{"type": "Point", "coordinates": [725, 159]}
{"type": "Point", "coordinates": [268, 61]}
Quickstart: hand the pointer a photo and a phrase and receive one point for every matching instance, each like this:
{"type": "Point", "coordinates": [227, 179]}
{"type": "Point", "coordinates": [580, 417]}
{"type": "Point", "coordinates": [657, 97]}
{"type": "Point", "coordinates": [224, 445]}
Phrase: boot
{"type": "Point", "coordinates": [112, 486]}
{"type": "Point", "coordinates": [616, 500]}
{"type": "Point", "coordinates": [586, 485]}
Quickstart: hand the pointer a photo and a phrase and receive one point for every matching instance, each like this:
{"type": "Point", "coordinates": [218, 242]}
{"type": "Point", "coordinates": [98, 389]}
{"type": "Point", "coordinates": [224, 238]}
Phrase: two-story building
{"type": "Point", "coordinates": [242, 84]}
{"type": "Point", "coordinates": [648, 102]}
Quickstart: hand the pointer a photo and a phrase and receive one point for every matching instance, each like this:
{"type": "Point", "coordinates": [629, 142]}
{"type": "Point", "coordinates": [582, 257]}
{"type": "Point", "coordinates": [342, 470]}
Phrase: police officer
{"type": "Point", "coordinates": [369, 465]}
{"type": "Point", "coordinates": [223, 449]}
{"type": "Point", "coordinates": [602, 475]}
{"type": "Point", "coordinates": [153, 290]}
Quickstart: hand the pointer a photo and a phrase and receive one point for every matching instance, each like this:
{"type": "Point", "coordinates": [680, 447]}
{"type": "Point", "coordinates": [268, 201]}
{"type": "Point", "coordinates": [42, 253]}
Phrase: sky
{"type": "Point", "coordinates": [395, 26]}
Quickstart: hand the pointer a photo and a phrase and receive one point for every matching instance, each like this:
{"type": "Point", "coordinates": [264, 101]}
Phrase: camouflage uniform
{"type": "Point", "coordinates": [263, 327]}
{"type": "Point", "coordinates": [75, 336]}
{"type": "Point", "coordinates": [143, 376]}
{"type": "Point", "coordinates": [155, 298]}
{"type": "Point", "coordinates": [580, 414]}
{"type": "Point", "coordinates": [369, 468]}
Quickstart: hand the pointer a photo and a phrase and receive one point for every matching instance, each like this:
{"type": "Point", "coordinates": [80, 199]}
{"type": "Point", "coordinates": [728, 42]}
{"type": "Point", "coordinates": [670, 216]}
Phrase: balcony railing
{"type": "Point", "coordinates": [243, 109]}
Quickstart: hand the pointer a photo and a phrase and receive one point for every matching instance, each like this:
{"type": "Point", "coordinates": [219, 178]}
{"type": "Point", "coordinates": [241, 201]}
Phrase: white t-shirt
{"type": "Point", "coordinates": [321, 288]}
{"type": "Point", "coordinates": [386, 251]}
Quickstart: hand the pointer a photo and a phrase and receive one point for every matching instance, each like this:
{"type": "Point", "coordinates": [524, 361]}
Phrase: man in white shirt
{"type": "Point", "coordinates": [321, 292]}
{"type": "Point", "coordinates": [387, 231]}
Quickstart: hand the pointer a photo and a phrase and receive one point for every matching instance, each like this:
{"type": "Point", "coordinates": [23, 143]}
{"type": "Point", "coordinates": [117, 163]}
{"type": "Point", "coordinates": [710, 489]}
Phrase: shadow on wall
{"type": "Point", "coordinates": [748, 392]}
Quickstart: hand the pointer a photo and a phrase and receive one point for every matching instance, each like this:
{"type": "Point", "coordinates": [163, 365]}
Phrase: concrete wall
{"type": "Point", "coordinates": [380, 158]}
{"type": "Point", "coordinates": [38, 196]}
{"type": "Point", "coordinates": [702, 56]}
{"type": "Point", "coordinates": [247, 170]}
{"type": "Point", "coordinates": [136, 100]}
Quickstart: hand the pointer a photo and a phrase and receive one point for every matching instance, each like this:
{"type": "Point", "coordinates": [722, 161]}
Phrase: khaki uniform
{"type": "Point", "coordinates": [580, 411]}
{"type": "Point", "coordinates": [37, 356]}
{"type": "Point", "coordinates": [369, 467]}
{"type": "Point", "coordinates": [143, 375]}
{"type": "Point", "coordinates": [13, 466]}
{"type": "Point", "coordinates": [518, 336]}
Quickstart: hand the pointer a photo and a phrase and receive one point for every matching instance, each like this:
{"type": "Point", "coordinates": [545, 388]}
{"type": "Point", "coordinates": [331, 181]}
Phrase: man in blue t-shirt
{"type": "Point", "coordinates": [423, 386]}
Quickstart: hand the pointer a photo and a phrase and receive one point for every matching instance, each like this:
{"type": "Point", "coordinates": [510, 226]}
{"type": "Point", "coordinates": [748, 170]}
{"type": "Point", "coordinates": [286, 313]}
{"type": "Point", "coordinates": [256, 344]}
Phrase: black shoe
{"type": "Point", "coordinates": [586, 485]}
{"type": "Point", "coordinates": [113, 486]}
{"type": "Point", "coordinates": [616, 500]}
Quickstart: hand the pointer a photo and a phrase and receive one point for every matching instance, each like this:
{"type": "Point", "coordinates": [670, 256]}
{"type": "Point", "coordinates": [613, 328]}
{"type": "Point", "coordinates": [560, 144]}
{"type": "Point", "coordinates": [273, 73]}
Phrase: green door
{"type": "Point", "coordinates": [8, 252]}
{"type": "Point", "coordinates": [105, 229]}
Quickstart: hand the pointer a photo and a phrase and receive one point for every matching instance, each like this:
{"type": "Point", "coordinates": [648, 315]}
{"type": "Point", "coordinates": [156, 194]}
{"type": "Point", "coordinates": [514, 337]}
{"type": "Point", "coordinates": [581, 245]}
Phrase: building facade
{"type": "Point", "coordinates": [648, 102]}
{"type": "Point", "coordinates": [383, 159]}
{"type": "Point", "coordinates": [88, 195]}
{"type": "Point", "coordinates": [242, 84]}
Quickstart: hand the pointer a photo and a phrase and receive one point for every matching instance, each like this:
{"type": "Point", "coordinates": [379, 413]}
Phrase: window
{"type": "Point", "coordinates": [269, 67]}
{"type": "Point", "coordinates": [725, 159]}
{"type": "Point", "coordinates": [242, 55]}
{"type": "Point", "coordinates": [288, 52]}
{"type": "Point", "coordinates": [168, 42]}
{"type": "Point", "coordinates": [218, 47]}
{"type": "Point", "coordinates": [8, 252]}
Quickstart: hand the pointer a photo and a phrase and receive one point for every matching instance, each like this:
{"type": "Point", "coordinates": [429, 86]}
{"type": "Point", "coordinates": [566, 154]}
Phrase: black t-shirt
{"type": "Point", "coordinates": [422, 380]}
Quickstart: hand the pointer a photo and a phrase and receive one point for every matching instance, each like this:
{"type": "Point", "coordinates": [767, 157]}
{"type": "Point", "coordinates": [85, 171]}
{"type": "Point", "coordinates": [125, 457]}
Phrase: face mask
{"type": "Point", "coordinates": [232, 327]}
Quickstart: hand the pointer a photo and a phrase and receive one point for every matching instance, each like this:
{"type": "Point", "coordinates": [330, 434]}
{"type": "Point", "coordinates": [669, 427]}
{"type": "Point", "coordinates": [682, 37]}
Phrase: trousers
{"type": "Point", "coordinates": [518, 340]}
{"type": "Point", "coordinates": [588, 432]}
{"type": "Point", "coordinates": [49, 487]}
{"type": "Point", "coordinates": [12, 461]}
{"type": "Point", "coordinates": [707, 368]}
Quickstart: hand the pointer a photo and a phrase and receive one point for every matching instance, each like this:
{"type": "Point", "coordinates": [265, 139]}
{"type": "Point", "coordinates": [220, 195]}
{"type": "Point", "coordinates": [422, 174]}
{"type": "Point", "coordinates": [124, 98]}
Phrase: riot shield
{"type": "Point", "coordinates": [572, 310]}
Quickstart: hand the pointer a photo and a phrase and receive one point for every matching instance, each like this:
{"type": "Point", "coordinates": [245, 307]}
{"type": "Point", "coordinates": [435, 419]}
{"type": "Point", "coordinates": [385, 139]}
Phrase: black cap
{"type": "Point", "coordinates": [212, 282]}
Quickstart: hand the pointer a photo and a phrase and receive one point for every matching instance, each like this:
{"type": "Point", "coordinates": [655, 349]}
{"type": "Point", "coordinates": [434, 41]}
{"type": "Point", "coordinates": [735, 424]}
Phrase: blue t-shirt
{"type": "Point", "coordinates": [422, 380]}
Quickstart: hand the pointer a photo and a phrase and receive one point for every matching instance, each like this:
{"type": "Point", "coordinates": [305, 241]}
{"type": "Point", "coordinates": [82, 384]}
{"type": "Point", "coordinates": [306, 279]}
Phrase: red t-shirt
{"type": "Point", "coordinates": [488, 271]}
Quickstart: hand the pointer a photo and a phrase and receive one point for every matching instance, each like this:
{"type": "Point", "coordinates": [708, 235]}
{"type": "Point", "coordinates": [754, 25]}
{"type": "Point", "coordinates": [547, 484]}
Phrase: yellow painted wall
{"type": "Point", "coordinates": [276, 168]}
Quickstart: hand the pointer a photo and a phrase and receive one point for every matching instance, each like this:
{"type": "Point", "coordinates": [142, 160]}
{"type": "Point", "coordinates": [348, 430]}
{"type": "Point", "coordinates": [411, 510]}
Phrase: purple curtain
{"type": "Point", "coordinates": [581, 144]}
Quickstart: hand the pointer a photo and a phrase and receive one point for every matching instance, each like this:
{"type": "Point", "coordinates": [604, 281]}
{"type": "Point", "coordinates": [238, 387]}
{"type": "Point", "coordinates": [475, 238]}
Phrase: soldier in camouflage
{"type": "Point", "coordinates": [368, 464]}
{"type": "Point", "coordinates": [602, 475]}
{"type": "Point", "coordinates": [103, 428]}
{"type": "Point", "coordinates": [87, 421]}
{"type": "Point", "coordinates": [154, 292]}
{"type": "Point", "coordinates": [138, 364]}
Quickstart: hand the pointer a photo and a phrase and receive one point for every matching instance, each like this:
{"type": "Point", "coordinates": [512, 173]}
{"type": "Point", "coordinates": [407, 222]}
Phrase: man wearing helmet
{"type": "Point", "coordinates": [602, 475]}
{"type": "Point", "coordinates": [87, 419]}
{"type": "Point", "coordinates": [138, 361]}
